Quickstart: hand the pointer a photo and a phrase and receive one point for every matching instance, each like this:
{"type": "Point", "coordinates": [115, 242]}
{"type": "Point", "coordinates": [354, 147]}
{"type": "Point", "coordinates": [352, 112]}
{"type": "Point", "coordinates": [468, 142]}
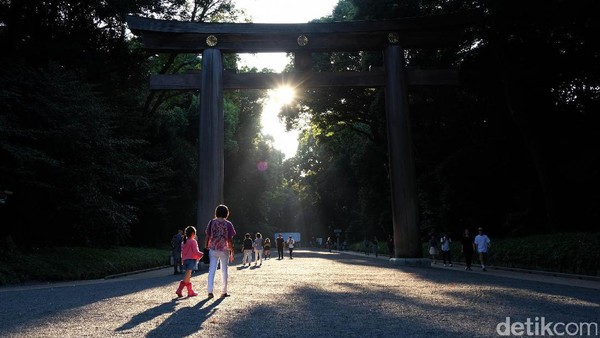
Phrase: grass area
{"type": "Point", "coordinates": [577, 253]}
{"type": "Point", "coordinates": [77, 263]}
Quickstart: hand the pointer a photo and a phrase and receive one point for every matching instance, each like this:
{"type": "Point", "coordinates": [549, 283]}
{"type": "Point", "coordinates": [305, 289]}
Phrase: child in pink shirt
{"type": "Point", "coordinates": [190, 255]}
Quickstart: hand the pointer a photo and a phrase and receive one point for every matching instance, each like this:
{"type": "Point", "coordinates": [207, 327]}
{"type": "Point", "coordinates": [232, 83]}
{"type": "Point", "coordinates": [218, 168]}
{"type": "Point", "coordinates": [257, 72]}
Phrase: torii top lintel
{"type": "Point", "coordinates": [194, 37]}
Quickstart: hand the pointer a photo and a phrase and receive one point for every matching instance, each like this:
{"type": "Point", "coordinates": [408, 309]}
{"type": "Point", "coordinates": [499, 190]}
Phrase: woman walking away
{"type": "Point", "coordinates": [190, 254]}
{"type": "Point", "coordinates": [219, 239]}
{"type": "Point", "coordinates": [258, 249]}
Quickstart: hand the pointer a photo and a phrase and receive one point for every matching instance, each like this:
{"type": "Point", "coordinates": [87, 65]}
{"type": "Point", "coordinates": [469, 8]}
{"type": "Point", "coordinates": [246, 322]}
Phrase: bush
{"type": "Point", "coordinates": [64, 263]}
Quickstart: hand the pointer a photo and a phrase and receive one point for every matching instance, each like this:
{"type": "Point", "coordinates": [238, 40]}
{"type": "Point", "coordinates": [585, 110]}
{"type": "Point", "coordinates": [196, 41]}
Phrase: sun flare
{"type": "Point", "coordinates": [286, 141]}
{"type": "Point", "coordinates": [284, 95]}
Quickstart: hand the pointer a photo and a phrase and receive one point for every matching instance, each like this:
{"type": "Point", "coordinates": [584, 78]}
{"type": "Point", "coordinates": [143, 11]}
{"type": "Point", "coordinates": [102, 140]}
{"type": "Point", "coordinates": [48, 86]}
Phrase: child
{"type": "Point", "coordinates": [190, 255]}
{"type": "Point", "coordinates": [267, 248]}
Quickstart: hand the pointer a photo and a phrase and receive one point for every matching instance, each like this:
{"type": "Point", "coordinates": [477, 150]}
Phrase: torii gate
{"type": "Point", "coordinates": [391, 37]}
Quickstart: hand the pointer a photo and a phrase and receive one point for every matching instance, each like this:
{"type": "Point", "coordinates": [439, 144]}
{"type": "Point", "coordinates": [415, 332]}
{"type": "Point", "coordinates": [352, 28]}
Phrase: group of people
{"type": "Point", "coordinates": [220, 250]}
{"type": "Point", "coordinates": [219, 245]}
{"type": "Point", "coordinates": [261, 247]}
{"type": "Point", "coordinates": [480, 244]}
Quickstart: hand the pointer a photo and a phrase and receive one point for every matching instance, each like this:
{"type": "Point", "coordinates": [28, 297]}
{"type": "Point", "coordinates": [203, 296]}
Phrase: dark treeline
{"type": "Point", "coordinates": [89, 156]}
{"type": "Point", "coordinates": [514, 149]}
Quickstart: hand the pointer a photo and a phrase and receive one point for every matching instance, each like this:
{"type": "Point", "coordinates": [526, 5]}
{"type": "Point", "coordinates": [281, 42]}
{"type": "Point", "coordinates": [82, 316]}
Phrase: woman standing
{"type": "Point", "coordinates": [219, 240]}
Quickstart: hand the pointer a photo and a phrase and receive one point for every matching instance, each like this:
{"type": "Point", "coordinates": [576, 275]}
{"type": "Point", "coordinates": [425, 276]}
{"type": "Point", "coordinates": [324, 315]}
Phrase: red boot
{"type": "Point", "coordinates": [191, 292]}
{"type": "Point", "coordinates": [180, 288]}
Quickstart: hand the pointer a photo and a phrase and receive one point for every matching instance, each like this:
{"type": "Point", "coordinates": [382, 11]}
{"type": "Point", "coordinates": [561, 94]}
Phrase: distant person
{"type": "Point", "coordinates": [482, 244]}
{"type": "Point", "coordinates": [247, 250]}
{"type": "Point", "coordinates": [258, 249]}
{"type": "Point", "coordinates": [390, 245]}
{"type": "Point", "coordinates": [375, 246]}
{"type": "Point", "coordinates": [467, 248]}
{"type": "Point", "coordinates": [433, 248]}
{"type": "Point", "coordinates": [267, 248]}
{"type": "Point", "coordinates": [219, 240]}
{"type": "Point", "coordinates": [329, 243]}
{"type": "Point", "coordinates": [366, 246]}
{"type": "Point", "coordinates": [190, 254]}
{"type": "Point", "coordinates": [290, 244]}
{"type": "Point", "coordinates": [176, 252]}
{"type": "Point", "coordinates": [280, 241]}
{"type": "Point", "coordinates": [445, 242]}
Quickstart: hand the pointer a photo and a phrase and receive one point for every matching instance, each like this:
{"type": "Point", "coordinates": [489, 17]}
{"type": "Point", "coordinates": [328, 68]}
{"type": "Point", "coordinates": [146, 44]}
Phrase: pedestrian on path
{"type": "Point", "coordinates": [433, 248]}
{"type": "Point", "coordinates": [219, 239]}
{"type": "Point", "coordinates": [247, 250]}
{"type": "Point", "coordinates": [280, 242]}
{"type": "Point", "coordinates": [176, 241]}
{"type": "Point", "coordinates": [329, 243]}
{"type": "Point", "coordinates": [482, 244]}
{"type": "Point", "coordinates": [267, 248]}
{"type": "Point", "coordinates": [258, 249]}
{"type": "Point", "coordinates": [375, 246]}
{"type": "Point", "coordinates": [445, 242]}
{"type": "Point", "coordinates": [390, 244]}
{"type": "Point", "coordinates": [190, 253]}
{"type": "Point", "coordinates": [290, 244]}
{"type": "Point", "coordinates": [467, 248]}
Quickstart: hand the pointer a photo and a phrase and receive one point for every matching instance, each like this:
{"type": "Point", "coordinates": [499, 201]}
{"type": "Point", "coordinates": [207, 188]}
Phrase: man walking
{"type": "Point", "coordinates": [482, 243]}
{"type": "Point", "coordinates": [280, 242]}
{"type": "Point", "coordinates": [176, 252]}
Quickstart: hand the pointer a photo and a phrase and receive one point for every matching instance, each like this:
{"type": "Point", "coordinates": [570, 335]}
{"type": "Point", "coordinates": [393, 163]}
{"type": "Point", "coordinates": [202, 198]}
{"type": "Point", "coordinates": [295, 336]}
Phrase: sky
{"type": "Point", "coordinates": [280, 11]}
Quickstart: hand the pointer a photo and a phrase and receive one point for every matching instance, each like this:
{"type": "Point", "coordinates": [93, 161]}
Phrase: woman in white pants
{"type": "Point", "coordinates": [219, 239]}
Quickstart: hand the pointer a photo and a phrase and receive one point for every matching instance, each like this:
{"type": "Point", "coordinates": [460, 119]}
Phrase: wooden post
{"type": "Point", "coordinates": [402, 172]}
{"type": "Point", "coordinates": [211, 138]}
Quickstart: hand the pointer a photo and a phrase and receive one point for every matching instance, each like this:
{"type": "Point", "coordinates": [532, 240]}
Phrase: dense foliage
{"type": "Point", "coordinates": [88, 156]}
{"type": "Point", "coordinates": [513, 149]}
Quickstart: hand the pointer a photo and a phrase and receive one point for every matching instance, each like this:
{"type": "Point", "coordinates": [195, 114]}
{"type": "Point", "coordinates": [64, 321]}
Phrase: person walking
{"type": "Point", "coordinates": [290, 245]}
{"type": "Point", "coordinates": [433, 248]}
{"type": "Point", "coordinates": [467, 249]}
{"type": "Point", "coordinates": [375, 246]}
{"type": "Point", "coordinates": [482, 244]}
{"type": "Point", "coordinates": [279, 241]}
{"type": "Point", "coordinates": [190, 254]}
{"type": "Point", "coordinates": [176, 252]}
{"type": "Point", "coordinates": [329, 243]}
{"type": "Point", "coordinates": [390, 245]}
{"type": "Point", "coordinates": [258, 249]}
{"type": "Point", "coordinates": [267, 248]}
{"type": "Point", "coordinates": [445, 242]}
{"type": "Point", "coordinates": [247, 250]}
{"type": "Point", "coordinates": [219, 240]}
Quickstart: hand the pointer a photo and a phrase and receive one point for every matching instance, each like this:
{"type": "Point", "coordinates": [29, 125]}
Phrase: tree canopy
{"type": "Point", "coordinates": [89, 156]}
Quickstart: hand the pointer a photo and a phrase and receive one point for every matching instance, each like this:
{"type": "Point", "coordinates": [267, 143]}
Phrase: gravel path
{"type": "Point", "coordinates": [317, 294]}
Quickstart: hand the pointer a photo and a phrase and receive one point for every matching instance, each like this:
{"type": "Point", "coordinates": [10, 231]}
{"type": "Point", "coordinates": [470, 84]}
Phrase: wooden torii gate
{"type": "Point", "coordinates": [390, 37]}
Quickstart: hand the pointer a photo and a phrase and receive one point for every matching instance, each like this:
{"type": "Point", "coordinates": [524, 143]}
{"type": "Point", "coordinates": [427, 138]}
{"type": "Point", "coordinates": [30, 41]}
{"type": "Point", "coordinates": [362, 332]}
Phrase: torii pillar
{"type": "Point", "coordinates": [211, 137]}
{"type": "Point", "coordinates": [407, 250]}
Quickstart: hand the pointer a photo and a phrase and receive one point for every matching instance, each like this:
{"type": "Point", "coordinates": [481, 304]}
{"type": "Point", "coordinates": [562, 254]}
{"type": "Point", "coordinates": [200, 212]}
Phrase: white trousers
{"type": "Point", "coordinates": [215, 258]}
{"type": "Point", "coordinates": [247, 256]}
{"type": "Point", "coordinates": [259, 256]}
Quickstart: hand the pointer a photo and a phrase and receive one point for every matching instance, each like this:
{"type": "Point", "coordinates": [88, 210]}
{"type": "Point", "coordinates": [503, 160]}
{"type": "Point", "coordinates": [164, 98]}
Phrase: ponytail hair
{"type": "Point", "coordinates": [188, 233]}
